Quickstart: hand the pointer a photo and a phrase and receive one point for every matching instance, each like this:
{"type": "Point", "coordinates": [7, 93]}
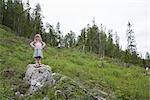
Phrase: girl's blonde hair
{"type": "Point", "coordinates": [37, 35]}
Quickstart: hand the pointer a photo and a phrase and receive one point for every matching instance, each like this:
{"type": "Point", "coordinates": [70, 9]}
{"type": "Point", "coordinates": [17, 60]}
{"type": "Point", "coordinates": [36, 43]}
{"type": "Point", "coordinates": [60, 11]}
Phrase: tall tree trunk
{"type": "Point", "coordinates": [83, 48]}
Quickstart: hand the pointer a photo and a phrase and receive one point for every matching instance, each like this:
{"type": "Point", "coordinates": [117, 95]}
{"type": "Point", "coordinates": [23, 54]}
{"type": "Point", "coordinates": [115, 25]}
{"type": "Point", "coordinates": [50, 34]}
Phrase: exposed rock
{"type": "Point", "coordinates": [64, 88]}
{"type": "Point", "coordinates": [38, 77]}
{"type": "Point", "coordinates": [67, 88]}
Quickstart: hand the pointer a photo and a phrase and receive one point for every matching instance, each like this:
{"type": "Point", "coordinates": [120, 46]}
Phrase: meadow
{"type": "Point", "coordinates": [83, 68]}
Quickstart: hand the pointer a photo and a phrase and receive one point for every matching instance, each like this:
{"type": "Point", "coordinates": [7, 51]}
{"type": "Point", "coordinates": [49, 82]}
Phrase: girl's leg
{"type": "Point", "coordinates": [39, 61]}
{"type": "Point", "coordinates": [36, 61]}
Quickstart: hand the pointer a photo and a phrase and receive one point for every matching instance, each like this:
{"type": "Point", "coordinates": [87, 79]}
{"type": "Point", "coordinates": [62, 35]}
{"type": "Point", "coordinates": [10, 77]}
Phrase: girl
{"type": "Point", "coordinates": [38, 45]}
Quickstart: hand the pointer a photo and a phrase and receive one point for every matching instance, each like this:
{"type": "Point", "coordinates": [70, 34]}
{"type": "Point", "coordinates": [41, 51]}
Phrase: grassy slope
{"type": "Point", "coordinates": [127, 83]}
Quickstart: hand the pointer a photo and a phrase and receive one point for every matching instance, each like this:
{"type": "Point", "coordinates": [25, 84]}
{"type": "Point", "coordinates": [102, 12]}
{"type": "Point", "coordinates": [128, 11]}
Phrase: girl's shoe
{"type": "Point", "coordinates": [40, 65]}
{"type": "Point", "coordinates": [37, 66]}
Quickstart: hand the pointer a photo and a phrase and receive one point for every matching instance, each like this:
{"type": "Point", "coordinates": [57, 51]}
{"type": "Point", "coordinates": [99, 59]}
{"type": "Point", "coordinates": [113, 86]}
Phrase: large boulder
{"type": "Point", "coordinates": [38, 77]}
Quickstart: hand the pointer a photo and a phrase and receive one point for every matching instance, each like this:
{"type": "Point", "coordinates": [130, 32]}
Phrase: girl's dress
{"type": "Point", "coordinates": [37, 48]}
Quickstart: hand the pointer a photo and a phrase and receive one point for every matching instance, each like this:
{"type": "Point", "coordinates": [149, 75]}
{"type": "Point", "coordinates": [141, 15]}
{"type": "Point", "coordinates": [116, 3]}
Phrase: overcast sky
{"type": "Point", "coordinates": [114, 14]}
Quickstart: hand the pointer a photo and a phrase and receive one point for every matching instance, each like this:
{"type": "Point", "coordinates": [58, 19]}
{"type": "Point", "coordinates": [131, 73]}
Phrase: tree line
{"type": "Point", "coordinates": [18, 17]}
{"type": "Point", "coordinates": [106, 44]}
{"type": "Point", "coordinates": [26, 21]}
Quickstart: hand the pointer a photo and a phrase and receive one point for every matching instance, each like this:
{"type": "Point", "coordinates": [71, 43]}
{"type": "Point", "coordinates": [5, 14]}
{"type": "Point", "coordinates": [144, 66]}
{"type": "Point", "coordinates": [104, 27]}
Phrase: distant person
{"type": "Point", "coordinates": [38, 45]}
{"type": "Point", "coordinates": [146, 67]}
{"type": "Point", "coordinates": [144, 63]}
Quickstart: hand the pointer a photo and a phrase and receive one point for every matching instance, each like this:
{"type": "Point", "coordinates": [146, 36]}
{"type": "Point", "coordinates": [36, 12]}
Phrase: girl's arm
{"type": "Point", "coordinates": [32, 44]}
{"type": "Point", "coordinates": [43, 44]}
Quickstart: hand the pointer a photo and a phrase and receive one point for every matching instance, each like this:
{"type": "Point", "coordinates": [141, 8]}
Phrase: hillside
{"type": "Point", "coordinates": [83, 71]}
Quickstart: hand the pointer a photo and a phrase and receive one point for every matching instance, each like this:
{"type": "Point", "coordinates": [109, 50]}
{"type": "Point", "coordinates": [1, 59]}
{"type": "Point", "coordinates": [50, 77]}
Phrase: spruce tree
{"type": "Point", "coordinates": [1, 11]}
{"type": "Point", "coordinates": [131, 45]}
{"type": "Point", "coordinates": [38, 24]}
{"type": "Point", "coordinates": [117, 47]}
{"type": "Point", "coordinates": [83, 39]}
{"type": "Point", "coordinates": [59, 33]}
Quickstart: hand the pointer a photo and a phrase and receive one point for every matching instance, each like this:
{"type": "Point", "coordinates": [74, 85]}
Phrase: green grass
{"type": "Point", "coordinates": [16, 54]}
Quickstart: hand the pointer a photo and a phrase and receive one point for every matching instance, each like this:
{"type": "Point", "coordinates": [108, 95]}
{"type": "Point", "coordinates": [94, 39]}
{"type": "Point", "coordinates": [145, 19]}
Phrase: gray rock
{"type": "Point", "coordinates": [38, 77]}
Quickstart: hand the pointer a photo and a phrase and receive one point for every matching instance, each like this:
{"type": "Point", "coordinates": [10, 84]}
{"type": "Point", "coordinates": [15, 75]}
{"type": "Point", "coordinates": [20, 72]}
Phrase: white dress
{"type": "Point", "coordinates": [38, 46]}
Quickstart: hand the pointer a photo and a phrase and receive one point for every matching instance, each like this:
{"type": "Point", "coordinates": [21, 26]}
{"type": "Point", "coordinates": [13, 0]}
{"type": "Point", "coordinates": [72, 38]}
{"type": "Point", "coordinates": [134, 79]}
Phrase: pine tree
{"type": "Point", "coordinates": [38, 24]}
{"type": "Point", "coordinates": [1, 11]}
{"type": "Point", "coordinates": [110, 45]}
{"type": "Point", "coordinates": [83, 39]}
{"type": "Point", "coordinates": [50, 36]}
{"type": "Point", "coordinates": [131, 46]}
{"type": "Point", "coordinates": [92, 33]}
{"type": "Point", "coordinates": [8, 17]}
{"type": "Point", "coordinates": [20, 16]}
{"type": "Point", "coordinates": [28, 11]}
{"type": "Point", "coordinates": [102, 41]}
{"type": "Point", "coordinates": [27, 21]}
{"type": "Point", "coordinates": [59, 33]}
{"type": "Point", "coordinates": [117, 47]}
{"type": "Point", "coordinates": [70, 39]}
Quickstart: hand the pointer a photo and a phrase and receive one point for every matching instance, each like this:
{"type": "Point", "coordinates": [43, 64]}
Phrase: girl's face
{"type": "Point", "coordinates": [37, 38]}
